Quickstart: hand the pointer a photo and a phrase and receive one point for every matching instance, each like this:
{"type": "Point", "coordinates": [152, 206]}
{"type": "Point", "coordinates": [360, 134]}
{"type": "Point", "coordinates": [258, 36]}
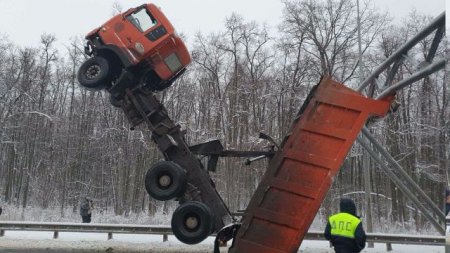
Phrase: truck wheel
{"type": "Point", "coordinates": [94, 73]}
{"type": "Point", "coordinates": [192, 222]}
{"type": "Point", "coordinates": [165, 180]}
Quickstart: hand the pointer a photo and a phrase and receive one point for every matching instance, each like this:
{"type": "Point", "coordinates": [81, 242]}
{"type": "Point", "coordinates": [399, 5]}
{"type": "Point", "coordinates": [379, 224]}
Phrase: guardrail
{"type": "Point", "coordinates": [85, 227]}
{"type": "Point", "coordinates": [390, 239]}
{"type": "Point", "coordinates": [54, 227]}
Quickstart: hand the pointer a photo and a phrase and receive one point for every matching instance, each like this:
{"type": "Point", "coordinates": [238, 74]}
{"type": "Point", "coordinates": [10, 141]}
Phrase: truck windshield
{"type": "Point", "coordinates": [142, 20]}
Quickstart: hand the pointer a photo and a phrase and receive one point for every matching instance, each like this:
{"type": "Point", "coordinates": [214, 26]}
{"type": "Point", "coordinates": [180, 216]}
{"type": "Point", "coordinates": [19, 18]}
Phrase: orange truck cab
{"type": "Point", "coordinates": [136, 48]}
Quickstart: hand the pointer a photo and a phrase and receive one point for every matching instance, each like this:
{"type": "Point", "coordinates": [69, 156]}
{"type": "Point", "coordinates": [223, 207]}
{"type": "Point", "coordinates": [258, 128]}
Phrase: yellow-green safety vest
{"type": "Point", "coordinates": [344, 224]}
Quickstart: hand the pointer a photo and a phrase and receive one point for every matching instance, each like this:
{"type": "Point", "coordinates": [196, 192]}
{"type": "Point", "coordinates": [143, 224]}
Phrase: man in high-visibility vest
{"type": "Point", "coordinates": [344, 230]}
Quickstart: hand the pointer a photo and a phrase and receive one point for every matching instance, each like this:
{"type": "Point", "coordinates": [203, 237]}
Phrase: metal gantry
{"type": "Point", "coordinates": [390, 67]}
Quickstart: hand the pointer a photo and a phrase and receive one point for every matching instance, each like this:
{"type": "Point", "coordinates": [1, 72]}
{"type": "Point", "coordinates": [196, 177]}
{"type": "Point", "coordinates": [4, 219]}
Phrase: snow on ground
{"type": "Point", "coordinates": [54, 214]}
{"type": "Point", "coordinates": [29, 241]}
{"type": "Point", "coordinates": [323, 247]}
{"type": "Point", "coordinates": [40, 242]}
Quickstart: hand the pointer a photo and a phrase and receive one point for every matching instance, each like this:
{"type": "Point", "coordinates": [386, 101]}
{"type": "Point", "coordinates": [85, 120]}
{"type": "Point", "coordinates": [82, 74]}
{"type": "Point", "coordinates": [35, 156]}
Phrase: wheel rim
{"type": "Point", "coordinates": [192, 222]}
{"type": "Point", "coordinates": [93, 72]}
{"type": "Point", "coordinates": [165, 181]}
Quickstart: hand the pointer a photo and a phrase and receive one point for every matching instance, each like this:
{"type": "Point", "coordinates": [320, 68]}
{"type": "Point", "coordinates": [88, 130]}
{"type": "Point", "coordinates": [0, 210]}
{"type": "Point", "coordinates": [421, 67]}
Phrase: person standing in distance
{"type": "Point", "coordinates": [447, 201]}
{"type": "Point", "coordinates": [86, 210]}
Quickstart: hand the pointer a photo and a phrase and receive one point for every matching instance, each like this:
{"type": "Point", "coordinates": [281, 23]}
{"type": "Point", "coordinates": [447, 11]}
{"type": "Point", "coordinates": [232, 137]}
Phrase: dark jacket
{"type": "Point", "coordinates": [344, 244]}
{"type": "Point", "coordinates": [447, 202]}
{"type": "Point", "coordinates": [85, 207]}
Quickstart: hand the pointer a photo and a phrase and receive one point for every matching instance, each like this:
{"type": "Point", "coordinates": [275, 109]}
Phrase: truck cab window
{"type": "Point", "coordinates": [142, 20]}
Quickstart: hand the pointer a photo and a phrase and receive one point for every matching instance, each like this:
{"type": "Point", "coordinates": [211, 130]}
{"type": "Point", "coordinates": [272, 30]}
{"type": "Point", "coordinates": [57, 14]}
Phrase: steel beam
{"type": "Point", "coordinates": [400, 184]}
{"type": "Point", "coordinates": [403, 173]}
{"type": "Point", "coordinates": [439, 21]}
{"type": "Point", "coordinates": [393, 72]}
{"type": "Point", "coordinates": [430, 69]}
{"type": "Point", "coordinates": [434, 45]}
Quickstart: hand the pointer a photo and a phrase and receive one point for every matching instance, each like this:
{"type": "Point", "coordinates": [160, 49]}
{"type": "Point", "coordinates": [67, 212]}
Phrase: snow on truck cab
{"type": "Point", "coordinates": [138, 47]}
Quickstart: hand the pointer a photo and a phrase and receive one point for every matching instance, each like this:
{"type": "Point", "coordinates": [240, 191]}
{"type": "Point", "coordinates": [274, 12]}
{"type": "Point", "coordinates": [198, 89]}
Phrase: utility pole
{"type": "Point", "coordinates": [366, 158]}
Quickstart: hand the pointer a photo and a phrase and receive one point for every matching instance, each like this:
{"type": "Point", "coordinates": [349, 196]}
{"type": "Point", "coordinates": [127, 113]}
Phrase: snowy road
{"type": "Point", "coordinates": [40, 242]}
{"type": "Point", "coordinates": [21, 241]}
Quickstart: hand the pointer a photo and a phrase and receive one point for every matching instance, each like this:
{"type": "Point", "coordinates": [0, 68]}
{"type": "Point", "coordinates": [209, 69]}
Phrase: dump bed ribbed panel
{"type": "Point", "coordinates": [300, 174]}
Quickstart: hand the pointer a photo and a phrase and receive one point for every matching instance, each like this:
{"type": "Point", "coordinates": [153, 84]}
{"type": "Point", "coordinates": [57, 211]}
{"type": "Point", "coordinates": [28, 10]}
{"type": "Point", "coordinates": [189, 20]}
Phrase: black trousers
{"type": "Point", "coordinates": [86, 218]}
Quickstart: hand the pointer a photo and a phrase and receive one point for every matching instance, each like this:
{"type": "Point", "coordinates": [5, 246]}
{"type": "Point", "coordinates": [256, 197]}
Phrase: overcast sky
{"type": "Point", "coordinates": [25, 20]}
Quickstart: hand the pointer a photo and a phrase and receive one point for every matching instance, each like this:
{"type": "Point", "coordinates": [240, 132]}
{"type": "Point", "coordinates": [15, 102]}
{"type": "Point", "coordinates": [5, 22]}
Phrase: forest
{"type": "Point", "coordinates": [60, 143]}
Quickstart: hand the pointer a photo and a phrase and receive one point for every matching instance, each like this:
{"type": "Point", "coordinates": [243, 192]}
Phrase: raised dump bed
{"type": "Point", "coordinates": [301, 172]}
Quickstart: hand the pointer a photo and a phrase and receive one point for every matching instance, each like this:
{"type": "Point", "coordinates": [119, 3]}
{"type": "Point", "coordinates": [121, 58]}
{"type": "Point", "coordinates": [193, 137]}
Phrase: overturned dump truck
{"type": "Point", "coordinates": [133, 55]}
{"type": "Point", "coordinates": [137, 53]}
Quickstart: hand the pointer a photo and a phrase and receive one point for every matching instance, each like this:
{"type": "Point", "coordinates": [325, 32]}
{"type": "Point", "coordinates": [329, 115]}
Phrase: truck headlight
{"type": "Point", "coordinates": [173, 62]}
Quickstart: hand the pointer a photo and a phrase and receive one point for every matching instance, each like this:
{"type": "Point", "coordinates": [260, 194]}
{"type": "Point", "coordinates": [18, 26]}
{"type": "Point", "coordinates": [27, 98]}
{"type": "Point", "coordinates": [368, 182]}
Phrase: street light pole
{"type": "Point", "coordinates": [366, 157]}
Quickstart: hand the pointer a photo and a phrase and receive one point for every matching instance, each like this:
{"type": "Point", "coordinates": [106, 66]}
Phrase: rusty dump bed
{"type": "Point", "coordinates": [301, 172]}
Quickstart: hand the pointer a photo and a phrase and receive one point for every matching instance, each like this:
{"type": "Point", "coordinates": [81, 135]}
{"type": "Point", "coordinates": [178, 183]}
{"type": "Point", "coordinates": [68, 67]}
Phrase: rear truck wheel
{"type": "Point", "coordinates": [165, 180]}
{"type": "Point", "coordinates": [94, 73]}
{"type": "Point", "coordinates": [192, 222]}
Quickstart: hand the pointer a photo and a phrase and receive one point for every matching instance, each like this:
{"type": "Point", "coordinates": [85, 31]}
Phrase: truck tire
{"type": "Point", "coordinates": [192, 222]}
{"type": "Point", "coordinates": [165, 180]}
{"type": "Point", "coordinates": [94, 73]}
